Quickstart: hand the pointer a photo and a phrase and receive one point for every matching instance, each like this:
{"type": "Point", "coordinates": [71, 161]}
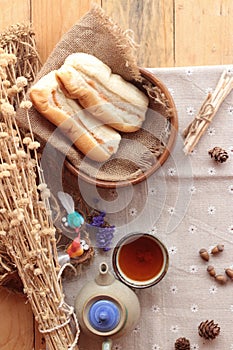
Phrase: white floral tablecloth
{"type": "Point", "coordinates": [188, 204]}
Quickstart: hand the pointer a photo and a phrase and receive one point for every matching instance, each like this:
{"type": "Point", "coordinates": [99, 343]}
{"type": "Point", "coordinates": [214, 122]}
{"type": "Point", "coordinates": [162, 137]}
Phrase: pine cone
{"type": "Point", "coordinates": [208, 329]}
{"type": "Point", "coordinates": [219, 154]}
{"type": "Point", "coordinates": [182, 344]}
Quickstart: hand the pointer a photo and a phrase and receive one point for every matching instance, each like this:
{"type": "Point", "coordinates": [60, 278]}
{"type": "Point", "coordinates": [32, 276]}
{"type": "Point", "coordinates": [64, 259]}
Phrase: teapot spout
{"type": "Point", "coordinates": [107, 344]}
{"type": "Point", "coordinates": [105, 277]}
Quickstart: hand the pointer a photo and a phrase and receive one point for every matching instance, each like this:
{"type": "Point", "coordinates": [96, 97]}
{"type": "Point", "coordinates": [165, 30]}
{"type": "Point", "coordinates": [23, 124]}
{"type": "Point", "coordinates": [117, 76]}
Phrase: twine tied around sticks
{"type": "Point", "coordinates": [194, 131]}
{"type": "Point", "coordinates": [70, 312]}
{"type": "Point", "coordinates": [204, 114]}
{"type": "Point", "coordinates": [67, 309]}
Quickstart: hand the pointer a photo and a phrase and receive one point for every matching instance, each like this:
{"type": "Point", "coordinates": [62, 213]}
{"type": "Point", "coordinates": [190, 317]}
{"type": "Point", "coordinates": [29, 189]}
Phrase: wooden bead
{"type": "Point", "coordinates": [229, 273]}
{"type": "Point", "coordinates": [217, 249]}
{"type": "Point", "coordinates": [221, 279]}
{"type": "Point", "coordinates": [204, 254]}
{"type": "Point", "coordinates": [211, 270]}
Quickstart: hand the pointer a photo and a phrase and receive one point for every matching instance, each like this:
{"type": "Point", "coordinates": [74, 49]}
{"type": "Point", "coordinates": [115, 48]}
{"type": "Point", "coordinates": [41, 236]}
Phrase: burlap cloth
{"type": "Point", "coordinates": [96, 34]}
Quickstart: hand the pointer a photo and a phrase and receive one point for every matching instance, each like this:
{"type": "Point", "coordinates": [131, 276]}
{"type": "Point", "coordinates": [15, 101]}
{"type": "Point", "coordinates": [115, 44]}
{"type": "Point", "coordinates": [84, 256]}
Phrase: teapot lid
{"type": "Point", "coordinates": [104, 315]}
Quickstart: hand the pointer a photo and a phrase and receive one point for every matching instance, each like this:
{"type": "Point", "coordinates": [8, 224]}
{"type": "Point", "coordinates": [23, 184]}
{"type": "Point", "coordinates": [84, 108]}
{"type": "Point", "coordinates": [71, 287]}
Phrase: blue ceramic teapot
{"type": "Point", "coordinates": [107, 308]}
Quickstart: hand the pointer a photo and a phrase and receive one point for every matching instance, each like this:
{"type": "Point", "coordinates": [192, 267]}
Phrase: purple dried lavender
{"type": "Point", "coordinates": [104, 237]}
{"type": "Point", "coordinates": [98, 220]}
{"type": "Point", "coordinates": [103, 231]}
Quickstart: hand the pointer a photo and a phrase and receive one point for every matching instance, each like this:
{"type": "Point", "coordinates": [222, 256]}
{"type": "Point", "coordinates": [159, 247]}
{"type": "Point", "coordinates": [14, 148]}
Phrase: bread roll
{"type": "Point", "coordinates": [107, 96]}
{"type": "Point", "coordinates": [97, 141]}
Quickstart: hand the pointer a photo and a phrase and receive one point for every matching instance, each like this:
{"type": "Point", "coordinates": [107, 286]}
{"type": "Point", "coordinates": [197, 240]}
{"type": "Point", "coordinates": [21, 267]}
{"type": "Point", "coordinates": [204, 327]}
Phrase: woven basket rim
{"type": "Point", "coordinates": [160, 160]}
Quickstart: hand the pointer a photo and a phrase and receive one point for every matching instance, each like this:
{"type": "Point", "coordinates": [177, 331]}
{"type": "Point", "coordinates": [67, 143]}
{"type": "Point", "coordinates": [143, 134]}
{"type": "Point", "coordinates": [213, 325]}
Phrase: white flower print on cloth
{"type": "Point", "coordinates": [153, 230]}
{"type": "Point", "coordinates": [155, 347]}
{"type": "Point", "coordinates": [171, 172]}
{"type": "Point", "coordinates": [231, 348]}
{"type": "Point", "coordinates": [211, 210]}
{"type": "Point", "coordinates": [172, 91]}
{"type": "Point", "coordinates": [208, 90]}
{"type": "Point", "coordinates": [230, 110]}
{"type": "Point", "coordinates": [230, 229]}
{"type": "Point", "coordinates": [193, 152]}
{"type": "Point", "coordinates": [194, 308]}
{"type": "Point", "coordinates": [211, 171]}
{"type": "Point", "coordinates": [190, 110]}
{"type": "Point", "coordinates": [193, 269]}
{"type": "Point", "coordinates": [230, 70]}
{"type": "Point", "coordinates": [192, 189]}
{"type": "Point", "coordinates": [173, 289]}
{"type": "Point", "coordinates": [230, 150]}
{"type": "Point", "coordinates": [211, 131]}
{"type": "Point", "coordinates": [172, 250]}
{"type": "Point", "coordinates": [194, 347]}
{"type": "Point", "coordinates": [213, 289]}
{"type": "Point", "coordinates": [133, 211]}
{"type": "Point", "coordinates": [171, 210]}
{"type": "Point", "coordinates": [189, 71]}
{"type": "Point", "coordinates": [231, 308]}
{"type": "Point", "coordinates": [174, 328]}
{"type": "Point", "coordinates": [152, 191]}
{"type": "Point", "coordinates": [192, 229]}
{"type": "Point", "coordinates": [230, 189]}
{"type": "Point", "coordinates": [155, 308]}
{"type": "Point", "coordinates": [117, 347]}
{"type": "Point", "coordinates": [136, 329]}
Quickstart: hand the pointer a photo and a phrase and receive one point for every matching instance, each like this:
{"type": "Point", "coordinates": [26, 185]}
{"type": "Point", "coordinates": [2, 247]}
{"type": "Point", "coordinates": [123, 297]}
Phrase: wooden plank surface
{"type": "Point", "coordinates": [13, 11]}
{"type": "Point", "coordinates": [52, 18]}
{"type": "Point", "coordinates": [16, 322]}
{"type": "Point", "coordinates": [203, 32]}
{"type": "Point", "coordinates": [152, 24]}
{"type": "Point", "coordinates": [169, 33]}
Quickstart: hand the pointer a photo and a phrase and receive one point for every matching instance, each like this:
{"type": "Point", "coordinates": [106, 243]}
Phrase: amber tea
{"type": "Point", "coordinates": [140, 260]}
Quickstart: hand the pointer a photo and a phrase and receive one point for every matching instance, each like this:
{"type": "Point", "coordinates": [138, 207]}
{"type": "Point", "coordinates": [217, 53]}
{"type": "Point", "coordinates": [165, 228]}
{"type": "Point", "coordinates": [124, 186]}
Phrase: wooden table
{"type": "Point", "coordinates": [170, 33]}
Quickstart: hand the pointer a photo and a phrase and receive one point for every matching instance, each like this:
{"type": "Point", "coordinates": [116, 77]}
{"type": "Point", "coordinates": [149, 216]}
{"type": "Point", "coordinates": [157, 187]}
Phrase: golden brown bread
{"type": "Point", "coordinates": [107, 96]}
{"type": "Point", "coordinates": [91, 137]}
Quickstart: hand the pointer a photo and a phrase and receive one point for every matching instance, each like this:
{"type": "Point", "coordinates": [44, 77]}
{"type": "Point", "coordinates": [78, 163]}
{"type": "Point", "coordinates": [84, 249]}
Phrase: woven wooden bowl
{"type": "Point", "coordinates": [159, 161]}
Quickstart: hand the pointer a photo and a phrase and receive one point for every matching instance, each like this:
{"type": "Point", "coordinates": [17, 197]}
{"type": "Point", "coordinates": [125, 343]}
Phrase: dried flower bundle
{"type": "Point", "coordinates": [7, 267]}
{"type": "Point", "coordinates": [26, 227]}
{"type": "Point", "coordinates": [18, 39]}
{"type": "Point", "coordinates": [16, 76]}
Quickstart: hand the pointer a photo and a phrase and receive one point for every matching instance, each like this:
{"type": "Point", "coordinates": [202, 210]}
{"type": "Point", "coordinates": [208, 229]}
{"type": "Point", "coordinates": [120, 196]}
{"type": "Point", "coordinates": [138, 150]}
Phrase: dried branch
{"type": "Point", "coordinates": [18, 39]}
{"type": "Point", "coordinates": [209, 108]}
{"type": "Point", "coordinates": [26, 228]}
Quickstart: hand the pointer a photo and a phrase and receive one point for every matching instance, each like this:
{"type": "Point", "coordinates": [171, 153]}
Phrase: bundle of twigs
{"type": "Point", "coordinates": [26, 227]}
{"type": "Point", "coordinates": [208, 110]}
{"type": "Point", "coordinates": [18, 40]}
{"type": "Point", "coordinates": [7, 267]}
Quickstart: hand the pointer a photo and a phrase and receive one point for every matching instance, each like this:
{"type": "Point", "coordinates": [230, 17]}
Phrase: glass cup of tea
{"type": "Point", "coordinates": [140, 260]}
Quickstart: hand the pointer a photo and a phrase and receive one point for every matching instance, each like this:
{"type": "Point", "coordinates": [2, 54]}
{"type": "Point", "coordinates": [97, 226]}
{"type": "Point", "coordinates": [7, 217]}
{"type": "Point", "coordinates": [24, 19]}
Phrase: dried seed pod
{"type": "Point", "coordinates": [182, 344]}
{"type": "Point", "coordinates": [217, 249]}
{"type": "Point", "coordinates": [229, 273]}
{"type": "Point", "coordinates": [219, 154]}
{"type": "Point", "coordinates": [221, 279]}
{"type": "Point", "coordinates": [211, 270]}
{"type": "Point", "coordinates": [204, 254]}
{"type": "Point", "coordinates": [208, 329]}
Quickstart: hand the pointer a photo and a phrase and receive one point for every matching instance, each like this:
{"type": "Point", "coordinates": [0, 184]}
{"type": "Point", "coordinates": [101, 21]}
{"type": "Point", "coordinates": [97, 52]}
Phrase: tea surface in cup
{"type": "Point", "coordinates": [140, 260]}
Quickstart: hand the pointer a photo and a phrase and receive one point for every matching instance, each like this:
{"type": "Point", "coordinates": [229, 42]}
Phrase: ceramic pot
{"type": "Point", "coordinates": [107, 308]}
